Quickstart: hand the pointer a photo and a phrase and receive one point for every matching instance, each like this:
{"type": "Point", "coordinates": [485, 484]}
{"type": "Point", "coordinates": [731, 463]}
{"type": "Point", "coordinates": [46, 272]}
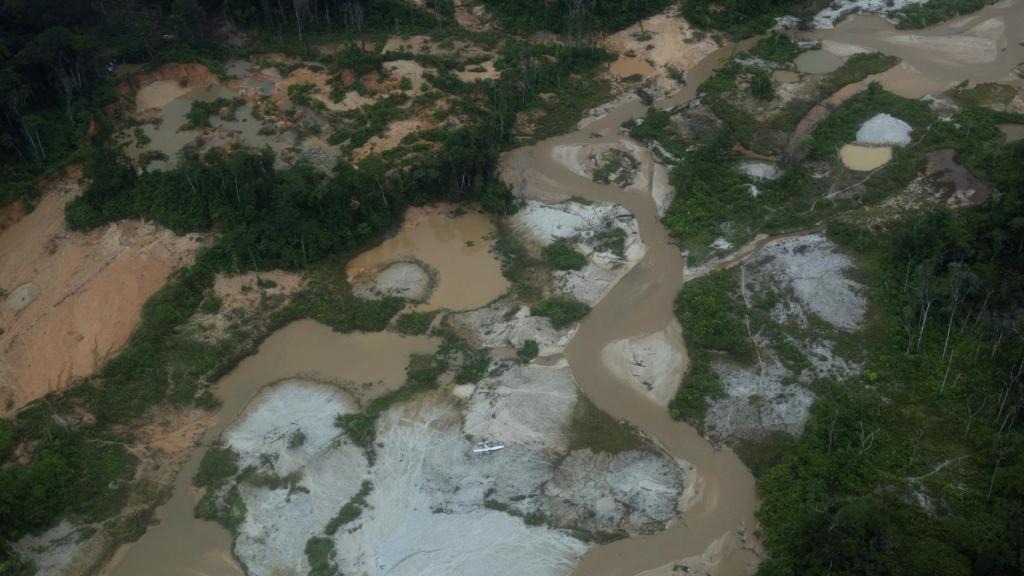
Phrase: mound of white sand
{"type": "Point", "coordinates": [543, 223]}
{"type": "Point", "coordinates": [528, 405]}
{"type": "Point", "coordinates": [500, 325]}
{"type": "Point", "coordinates": [758, 170]}
{"type": "Point", "coordinates": [409, 280]}
{"type": "Point", "coordinates": [884, 130]}
{"type": "Point", "coordinates": [652, 363]}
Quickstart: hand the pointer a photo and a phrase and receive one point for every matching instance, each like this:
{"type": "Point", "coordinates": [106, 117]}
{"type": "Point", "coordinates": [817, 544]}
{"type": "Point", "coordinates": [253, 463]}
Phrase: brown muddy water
{"type": "Point", "coordinates": [981, 47]}
{"type": "Point", "coordinates": [626, 66]}
{"type": "Point", "coordinates": [182, 544]}
{"type": "Point", "coordinates": [721, 519]}
{"type": "Point", "coordinates": [818, 62]}
{"type": "Point", "coordinates": [172, 102]}
{"type": "Point", "coordinates": [457, 245]}
{"type": "Point", "coordinates": [166, 135]}
{"type": "Point", "coordinates": [864, 158]}
{"type": "Point", "coordinates": [1014, 132]}
{"type": "Point", "coordinates": [641, 303]}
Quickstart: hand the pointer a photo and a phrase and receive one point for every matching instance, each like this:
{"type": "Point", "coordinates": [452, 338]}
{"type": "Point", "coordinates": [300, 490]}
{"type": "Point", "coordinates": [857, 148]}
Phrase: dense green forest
{"type": "Point", "coordinates": [841, 499]}
{"type": "Point", "coordinates": [914, 466]}
{"type": "Point", "coordinates": [575, 18]}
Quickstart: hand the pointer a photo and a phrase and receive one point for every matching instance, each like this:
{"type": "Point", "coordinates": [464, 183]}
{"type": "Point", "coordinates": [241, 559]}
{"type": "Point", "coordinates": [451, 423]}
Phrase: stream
{"type": "Point", "coordinates": [720, 522]}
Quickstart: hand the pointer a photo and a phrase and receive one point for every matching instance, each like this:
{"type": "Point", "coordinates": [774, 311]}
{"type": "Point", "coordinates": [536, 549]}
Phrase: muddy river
{"type": "Point", "coordinates": [641, 303]}
{"type": "Point", "coordinates": [374, 362]}
{"type": "Point", "coordinates": [720, 523]}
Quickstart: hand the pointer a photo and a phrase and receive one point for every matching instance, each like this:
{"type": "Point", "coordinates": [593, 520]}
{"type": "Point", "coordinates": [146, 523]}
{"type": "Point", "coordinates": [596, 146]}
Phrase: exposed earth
{"type": "Point", "coordinates": [71, 300]}
{"type": "Point", "coordinates": [594, 474]}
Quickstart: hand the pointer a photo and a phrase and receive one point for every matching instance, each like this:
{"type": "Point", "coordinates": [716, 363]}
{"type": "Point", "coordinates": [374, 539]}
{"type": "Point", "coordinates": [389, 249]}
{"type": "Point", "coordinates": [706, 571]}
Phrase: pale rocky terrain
{"type": "Point", "coordinates": [408, 280]}
{"type": "Point", "coordinates": [430, 492]}
{"type": "Point", "coordinates": [652, 363]}
{"type": "Point", "coordinates": [541, 224]}
{"type": "Point", "coordinates": [884, 130]}
{"type": "Point", "coordinates": [507, 324]}
{"type": "Point", "coordinates": [815, 301]}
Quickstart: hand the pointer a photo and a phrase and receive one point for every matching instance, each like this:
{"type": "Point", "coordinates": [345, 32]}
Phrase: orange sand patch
{"type": "Point", "coordinates": [155, 89]}
{"type": "Point", "coordinates": [674, 43]}
{"type": "Point", "coordinates": [82, 294]}
{"type": "Point", "coordinates": [321, 92]}
{"type": "Point", "coordinates": [422, 44]}
{"type": "Point", "coordinates": [243, 291]}
{"type": "Point", "coordinates": [408, 69]}
{"type": "Point", "coordinates": [279, 58]}
{"type": "Point", "coordinates": [391, 138]}
{"type": "Point", "coordinates": [175, 433]}
{"type": "Point", "coordinates": [471, 74]}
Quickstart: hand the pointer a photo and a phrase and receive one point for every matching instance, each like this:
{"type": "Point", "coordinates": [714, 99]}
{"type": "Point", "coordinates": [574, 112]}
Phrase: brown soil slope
{"type": "Point", "coordinates": [71, 300]}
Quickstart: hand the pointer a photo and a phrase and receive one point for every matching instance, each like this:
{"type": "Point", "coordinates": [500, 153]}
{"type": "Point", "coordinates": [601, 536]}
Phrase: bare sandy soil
{"type": "Point", "coordinates": [74, 299]}
{"type": "Point", "coordinates": [652, 363]}
{"type": "Point", "coordinates": [672, 42]}
{"type": "Point", "coordinates": [472, 16]}
{"type": "Point", "coordinates": [157, 88]}
{"type": "Point", "coordinates": [423, 44]}
{"type": "Point", "coordinates": [902, 79]}
{"type": "Point", "coordinates": [944, 181]}
{"type": "Point", "coordinates": [391, 138]}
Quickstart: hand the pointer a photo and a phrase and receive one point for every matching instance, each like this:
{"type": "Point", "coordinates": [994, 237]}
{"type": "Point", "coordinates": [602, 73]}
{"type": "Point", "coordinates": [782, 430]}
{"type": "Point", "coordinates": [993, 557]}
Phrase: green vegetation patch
{"type": "Point", "coordinates": [415, 323]}
{"type": "Point", "coordinates": [593, 429]}
{"type": "Point", "coordinates": [421, 374]}
{"type": "Point", "coordinates": [711, 316]}
{"type": "Point", "coordinates": [527, 16]}
{"type": "Point", "coordinates": [926, 14]}
{"type": "Point", "coordinates": [911, 453]}
{"type": "Point", "coordinates": [199, 114]}
{"type": "Point", "coordinates": [657, 126]}
{"type": "Point", "coordinates": [611, 239]}
{"type": "Point", "coordinates": [739, 18]}
{"type": "Point", "coordinates": [562, 255]}
{"type": "Point", "coordinates": [471, 363]}
{"type": "Point", "coordinates": [219, 464]}
{"type": "Point", "coordinates": [840, 127]}
{"type": "Point", "coordinates": [528, 351]}
{"type": "Point", "coordinates": [560, 310]}
{"type": "Point", "coordinates": [228, 510]}
{"type": "Point", "coordinates": [987, 94]}
{"type": "Point", "coordinates": [616, 167]}
{"type": "Point", "coordinates": [776, 47]}
{"type": "Point", "coordinates": [351, 510]}
{"type": "Point", "coordinates": [321, 555]}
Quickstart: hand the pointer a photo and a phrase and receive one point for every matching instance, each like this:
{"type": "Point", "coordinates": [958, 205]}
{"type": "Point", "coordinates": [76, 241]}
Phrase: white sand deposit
{"type": "Point", "coordinates": [652, 363]}
{"type": "Point", "coordinates": [543, 223]}
{"type": "Point", "coordinates": [884, 130]}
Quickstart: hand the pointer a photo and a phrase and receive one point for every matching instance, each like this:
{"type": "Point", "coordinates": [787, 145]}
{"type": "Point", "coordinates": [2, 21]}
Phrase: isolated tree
{"type": "Point", "coordinates": [761, 86]}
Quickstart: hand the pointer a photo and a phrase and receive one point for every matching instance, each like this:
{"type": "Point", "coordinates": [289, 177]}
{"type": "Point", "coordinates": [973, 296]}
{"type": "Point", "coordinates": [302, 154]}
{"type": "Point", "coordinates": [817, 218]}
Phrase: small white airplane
{"type": "Point", "coordinates": [485, 447]}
